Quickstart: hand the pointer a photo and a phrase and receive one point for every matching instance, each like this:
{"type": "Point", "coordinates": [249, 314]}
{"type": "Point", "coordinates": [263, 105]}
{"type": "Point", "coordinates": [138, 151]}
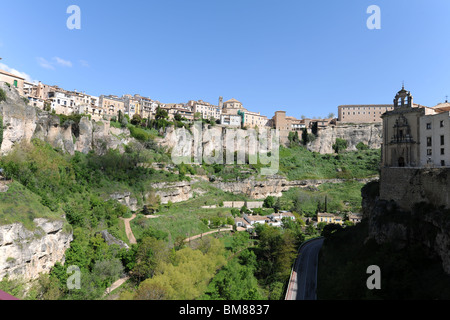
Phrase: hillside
{"type": "Point", "coordinates": [93, 174]}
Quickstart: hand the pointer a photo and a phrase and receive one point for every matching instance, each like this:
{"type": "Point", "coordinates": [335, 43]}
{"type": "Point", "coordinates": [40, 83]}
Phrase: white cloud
{"type": "Point", "coordinates": [53, 63]}
{"type": "Point", "coordinates": [45, 64]}
{"type": "Point", "coordinates": [84, 63]}
{"type": "Point", "coordinates": [24, 75]}
{"type": "Point", "coordinates": [61, 62]}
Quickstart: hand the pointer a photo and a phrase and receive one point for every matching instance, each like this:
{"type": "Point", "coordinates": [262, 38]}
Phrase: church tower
{"type": "Point", "coordinates": [401, 132]}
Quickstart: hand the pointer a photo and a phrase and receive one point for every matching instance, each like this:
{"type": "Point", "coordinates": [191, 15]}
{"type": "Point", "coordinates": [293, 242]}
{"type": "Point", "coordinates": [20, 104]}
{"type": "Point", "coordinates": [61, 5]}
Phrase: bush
{"type": "Point", "coordinates": [2, 95]}
{"type": "Point", "coordinates": [340, 145]}
{"type": "Point", "coordinates": [361, 146]}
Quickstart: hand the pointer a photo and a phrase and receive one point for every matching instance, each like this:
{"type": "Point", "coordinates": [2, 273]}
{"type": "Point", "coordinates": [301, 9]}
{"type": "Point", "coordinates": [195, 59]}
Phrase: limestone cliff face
{"type": "Point", "coordinates": [271, 186]}
{"type": "Point", "coordinates": [26, 254]}
{"type": "Point", "coordinates": [423, 225]}
{"type": "Point", "coordinates": [369, 134]}
{"type": "Point", "coordinates": [22, 123]}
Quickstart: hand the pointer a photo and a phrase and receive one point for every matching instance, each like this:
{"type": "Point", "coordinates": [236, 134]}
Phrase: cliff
{"type": "Point", "coordinates": [369, 134]}
{"type": "Point", "coordinates": [22, 123]}
{"type": "Point", "coordinates": [272, 186]}
{"type": "Point", "coordinates": [25, 253]}
{"type": "Point", "coordinates": [423, 225]}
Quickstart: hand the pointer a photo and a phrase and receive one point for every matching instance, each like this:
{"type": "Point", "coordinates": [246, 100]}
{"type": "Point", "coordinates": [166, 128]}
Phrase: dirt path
{"type": "Point", "coordinates": [128, 230]}
{"type": "Point", "coordinates": [206, 233]}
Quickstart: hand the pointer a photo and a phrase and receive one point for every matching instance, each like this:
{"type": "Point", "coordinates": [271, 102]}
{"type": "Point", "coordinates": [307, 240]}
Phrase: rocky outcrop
{"type": "Point", "coordinates": [26, 254]}
{"type": "Point", "coordinates": [22, 123]}
{"type": "Point", "coordinates": [110, 240]}
{"type": "Point", "coordinates": [424, 225]}
{"type": "Point", "coordinates": [369, 134]}
{"type": "Point", "coordinates": [272, 186]}
{"type": "Point", "coordinates": [126, 199]}
{"type": "Point", "coordinates": [173, 192]}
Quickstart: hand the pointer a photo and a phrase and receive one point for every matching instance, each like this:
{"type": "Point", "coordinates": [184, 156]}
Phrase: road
{"type": "Point", "coordinates": [303, 281]}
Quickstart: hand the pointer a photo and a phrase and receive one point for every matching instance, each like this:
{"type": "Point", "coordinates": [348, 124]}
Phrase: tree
{"type": "Point", "coordinates": [331, 115]}
{"type": "Point", "coordinates": [197, 116]}
{"type": "Point", "coordinates": [269, 202]}
{"type": "Point", "coordinates": [151, 253]}
{"type": "Point", "coordinates": [277, 205]}
{"type": "Point", "coordinates": [136, 120]}
{"type": "Point", "coordinates": [340, 145]}
{"type": "Point", "coordinates": [361, 146]}
{"type": "Point", "coordinates": [178, 117]}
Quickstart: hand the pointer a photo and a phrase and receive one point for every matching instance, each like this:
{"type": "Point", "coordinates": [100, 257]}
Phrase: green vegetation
{"type": "Point", "coordinates": [1, 131]}
{"type": "Point", "coordinates": [21, 205]}
{"type": "Point", "coordinates": [298, 163]}
{"type": "Point", "coordinates": [2, 95]}
{"type": "Point", "coordinates": [234, 265]}
{"type": "Point", "coordinates": [340, 145]}
{"type": "Point", "coordinates": [329, 197]}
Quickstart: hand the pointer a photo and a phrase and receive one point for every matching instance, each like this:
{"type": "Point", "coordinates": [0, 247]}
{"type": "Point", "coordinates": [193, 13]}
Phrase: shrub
{"type": "Point", "coordinates": [361, 146]}
{"type": "Point", "coordinates": [2, 95]}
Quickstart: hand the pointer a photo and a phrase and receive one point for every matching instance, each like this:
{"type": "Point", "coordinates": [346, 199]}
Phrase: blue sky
{"type": "Point", "coordinates": [305, 57]}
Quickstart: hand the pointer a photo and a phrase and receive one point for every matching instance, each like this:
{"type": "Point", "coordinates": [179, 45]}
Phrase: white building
{"type": "Point", "coordinates": [231, 120]}
{"type": "Point", "coordinates": [435, 140]}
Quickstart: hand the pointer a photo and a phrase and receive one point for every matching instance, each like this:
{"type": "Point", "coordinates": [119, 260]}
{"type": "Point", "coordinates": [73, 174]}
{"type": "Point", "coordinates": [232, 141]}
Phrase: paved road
{"type": "Point", "coordinates": [303, 282]}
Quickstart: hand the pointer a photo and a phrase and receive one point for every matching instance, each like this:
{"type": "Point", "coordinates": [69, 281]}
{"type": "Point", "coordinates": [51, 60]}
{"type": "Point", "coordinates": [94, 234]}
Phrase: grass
{"type": "Point", "coordinates": [184, 219]}
{"type": "Point", "coordinates": [19, 205]}
{"type": "Point", "coordinates": [340, 197]}
{"type": "Point", "coordinates": [298, 163]}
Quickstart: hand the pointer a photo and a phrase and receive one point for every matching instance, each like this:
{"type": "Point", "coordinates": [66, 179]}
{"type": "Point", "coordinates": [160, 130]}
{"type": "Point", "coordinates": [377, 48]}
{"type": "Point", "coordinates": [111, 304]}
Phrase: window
{"type": "Point", "coordinates": [443, 163]}
{"type": "Point", "coordinates": [442, 140]}
{"type": "Point", "coordinates": [442, 151]}
{"type": "Point", "coordinates": [429, 152]}
{"type": "Point", "coordinates": [429, 142]}
{"type": "Point", "coordinates": [428, 126]}
{"type": "Point", "coordinates": [442, 123]}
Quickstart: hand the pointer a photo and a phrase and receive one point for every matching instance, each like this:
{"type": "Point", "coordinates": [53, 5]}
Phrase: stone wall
{"type": "Point", "coordinates": [408, 186]}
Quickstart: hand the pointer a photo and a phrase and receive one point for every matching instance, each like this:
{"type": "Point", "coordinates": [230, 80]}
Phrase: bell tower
{"type": "Point", "coordinates": [403, 99]}
{"type": "Point", "coordinates": [401, 132]}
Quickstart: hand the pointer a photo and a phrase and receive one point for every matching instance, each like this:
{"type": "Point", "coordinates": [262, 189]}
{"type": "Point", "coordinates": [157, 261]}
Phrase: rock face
{"type": "Point", "coordinates": [272, 186]}
{"type": "Point", "coordinates": [22, 123]}
{"type": "Point", "coordinates": [423, 226]}
{"type": "Point", "coordinates": [173, 192]}
{"type": "Point", "coordinates": [369, 134]}
{"type": "Point", "coordinates": [26, 254]}
{"type": "Point", "coordinates": [126, 199]}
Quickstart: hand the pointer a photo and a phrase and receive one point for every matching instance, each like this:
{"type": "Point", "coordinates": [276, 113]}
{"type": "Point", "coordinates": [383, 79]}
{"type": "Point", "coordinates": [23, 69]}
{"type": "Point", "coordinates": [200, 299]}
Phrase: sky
{"type": "Point", "coordinates": [303, 57]}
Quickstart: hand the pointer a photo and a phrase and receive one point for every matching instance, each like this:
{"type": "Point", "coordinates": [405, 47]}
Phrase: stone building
{"type": "Point", "coordinates": [13, 80]}
{"type": "Point", "coordinates": [362, 113]}
{"type": "Point", "coordinates": [111, 105]}
{"type": "Point", "coordinates": [403, 132]}
{"type": "Point", "coordinates": [249, 119]}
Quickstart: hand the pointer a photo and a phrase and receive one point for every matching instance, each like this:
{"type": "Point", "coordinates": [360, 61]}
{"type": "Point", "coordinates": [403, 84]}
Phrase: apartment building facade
{"type": "Point", "coordinates": [362, 113]}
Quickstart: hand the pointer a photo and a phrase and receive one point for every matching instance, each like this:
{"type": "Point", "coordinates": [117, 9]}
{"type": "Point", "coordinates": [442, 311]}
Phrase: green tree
{"type": "Point", "coordinates": [340, 145]}
{"type": "Point", "coordinates": [269, 202]}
